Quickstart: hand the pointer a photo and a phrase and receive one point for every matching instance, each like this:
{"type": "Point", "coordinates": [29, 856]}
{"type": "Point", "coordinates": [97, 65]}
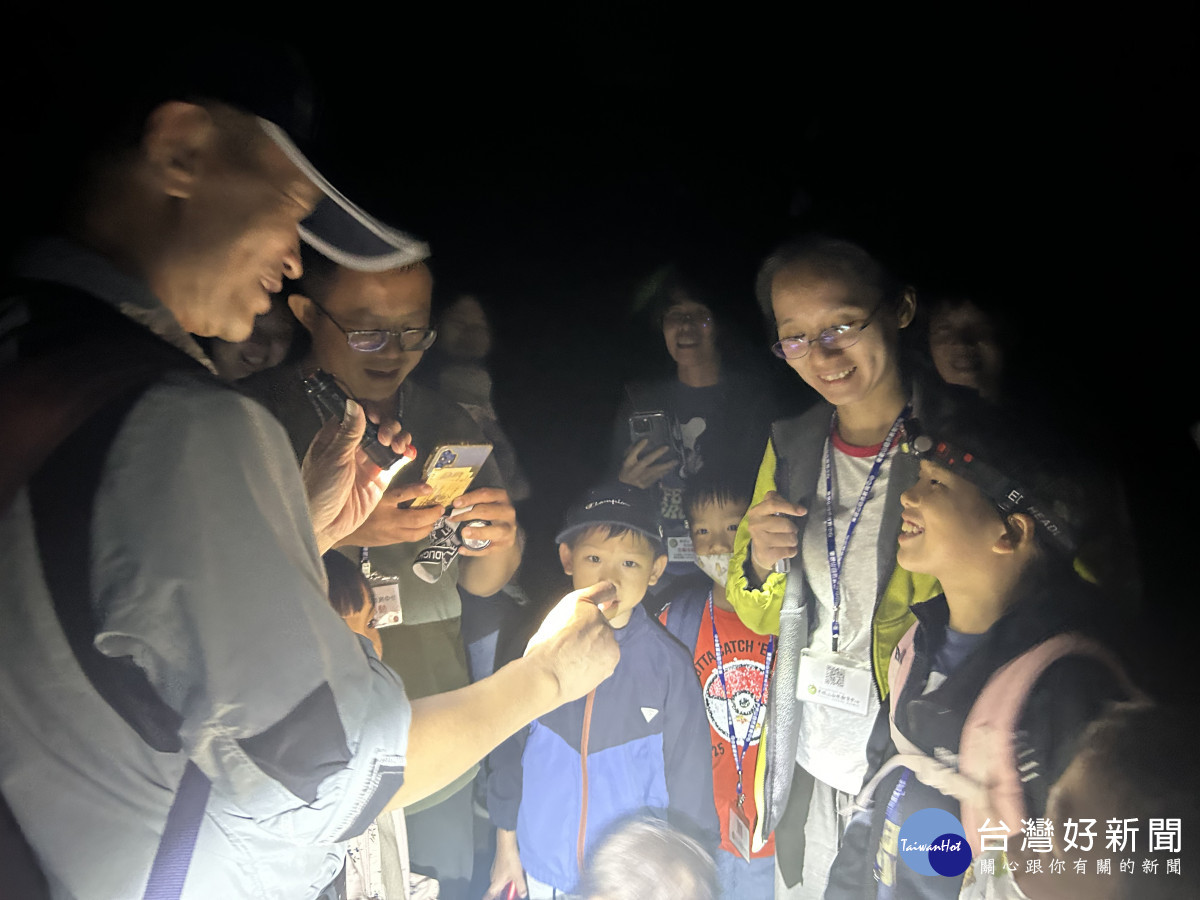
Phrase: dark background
{"type": "Point", "coordinates": [554, 160]}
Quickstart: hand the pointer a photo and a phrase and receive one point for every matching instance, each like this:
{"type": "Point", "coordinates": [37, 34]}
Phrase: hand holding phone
{"type": "Point", "coordinates": [654, 428]}
{"type": "Point", "coordinates": [449, 472]}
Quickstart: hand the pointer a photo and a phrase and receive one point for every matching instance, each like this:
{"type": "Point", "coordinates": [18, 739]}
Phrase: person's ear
{"type": "Point", "coordinates": [175, 142]}
{"type": "Point", "coordinates": [1017, 536]}
{"type": "Point", "coordinates": [660, 563]}
{"type": "Point", "coordinates": [564, 557]}
{"type": "Point", "coordinates": [906, 309]}
{"type": "Point", "coordinates": [304, 310]}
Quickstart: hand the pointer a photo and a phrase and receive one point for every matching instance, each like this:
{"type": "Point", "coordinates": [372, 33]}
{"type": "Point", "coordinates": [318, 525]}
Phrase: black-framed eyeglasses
{"type": "Point", "coordinates": [410, 339]}
{"type": "Point", "coordinates": [678, 318]}
{"type": "Point", "coordinates": [838, 337]}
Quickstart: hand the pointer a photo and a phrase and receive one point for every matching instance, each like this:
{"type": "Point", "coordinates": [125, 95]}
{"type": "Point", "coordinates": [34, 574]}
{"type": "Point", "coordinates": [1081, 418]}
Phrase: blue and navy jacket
{"type": "Point", "coordinates": [648, 752]}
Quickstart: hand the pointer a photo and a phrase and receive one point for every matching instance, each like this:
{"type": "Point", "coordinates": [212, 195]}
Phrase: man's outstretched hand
{"type": "Point", "coordinates": [576, 643]}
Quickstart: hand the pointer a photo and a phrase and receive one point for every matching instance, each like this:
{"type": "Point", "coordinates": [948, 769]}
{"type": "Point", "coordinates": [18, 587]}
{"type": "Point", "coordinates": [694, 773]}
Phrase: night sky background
{"type": "Point", "coordinates": [554, 160]}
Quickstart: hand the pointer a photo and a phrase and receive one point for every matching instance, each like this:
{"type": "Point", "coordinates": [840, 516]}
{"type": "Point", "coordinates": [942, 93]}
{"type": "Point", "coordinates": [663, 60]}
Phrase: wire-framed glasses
{"type": "Point", "coordinates": [837, 337]}
{"type": "Point", "coordinates": [410, 339]}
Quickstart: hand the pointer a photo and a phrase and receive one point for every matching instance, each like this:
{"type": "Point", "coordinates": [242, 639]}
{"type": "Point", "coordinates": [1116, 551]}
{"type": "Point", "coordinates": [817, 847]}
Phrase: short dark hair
{"type": "Point", "coordinates": [676, 282]}
{"type": "Point", "coordinates": [707, 487]}
{"type": "Point", "coordinates": [321, 274]}
{"type": "Point", "coordinates": [348, 587]}
{"type": "Point", "coordinates": [828, 257]}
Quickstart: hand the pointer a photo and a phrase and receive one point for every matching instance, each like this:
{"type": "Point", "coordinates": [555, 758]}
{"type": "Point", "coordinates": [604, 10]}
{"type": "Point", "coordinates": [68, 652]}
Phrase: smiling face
{"type": "Point", "coordinates": [395, 300]}
{"type": "Point", "coordinates": [689, 332]}
{"type": "Point", "coordinates": [949, 528]}
{"type": "Point", "coordinates": [963, 344]}
{"type": "Point", "coordinates": [236, 232]}
{"type": "Point", "coordinates": [628, 560]}
{"type": "Point", "coordinates": [265, 348]}
{"type": "Point", "coordinates": [806, 303]}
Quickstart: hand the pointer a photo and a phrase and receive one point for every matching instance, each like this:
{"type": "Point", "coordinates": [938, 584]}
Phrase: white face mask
{"type": "Point", "coordinates": [715, 566]}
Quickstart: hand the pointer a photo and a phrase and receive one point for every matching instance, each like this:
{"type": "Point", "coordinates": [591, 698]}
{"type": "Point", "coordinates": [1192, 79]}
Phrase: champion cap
{"type": "Point", "coordinates": [616, 504]}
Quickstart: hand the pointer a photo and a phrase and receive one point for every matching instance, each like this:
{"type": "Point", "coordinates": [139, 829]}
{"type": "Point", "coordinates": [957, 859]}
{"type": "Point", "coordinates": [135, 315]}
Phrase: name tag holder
{"type": "Point", "coordinates": [680, 550]}
{"type": "Point", "coordinates": [385, 589]}
{"type": "Point", "coordinates": [739, 830]}
{"type": "Point", "coordinates": [834, 680]}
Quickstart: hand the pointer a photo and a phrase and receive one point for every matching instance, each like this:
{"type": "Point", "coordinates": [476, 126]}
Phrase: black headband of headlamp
{"type": "Point", "coordinates": [1001, 490]}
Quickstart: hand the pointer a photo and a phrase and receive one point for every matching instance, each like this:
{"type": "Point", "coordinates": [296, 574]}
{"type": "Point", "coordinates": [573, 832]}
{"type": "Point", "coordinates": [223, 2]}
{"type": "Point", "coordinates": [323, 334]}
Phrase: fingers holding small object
{"type": "Point", "coordinates": [473, 534]}
{"type": "Point", "coordinates": [602, 595]}
{"type": "Point", "coordinates": [392, 434]}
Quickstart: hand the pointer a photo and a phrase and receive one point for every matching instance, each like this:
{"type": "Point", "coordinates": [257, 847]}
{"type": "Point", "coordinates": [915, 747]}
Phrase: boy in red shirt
{"type": "Point", "coordinates": [733, 665]}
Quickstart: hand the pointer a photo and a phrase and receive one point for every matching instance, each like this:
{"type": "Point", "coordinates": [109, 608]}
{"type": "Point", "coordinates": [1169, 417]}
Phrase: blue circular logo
{"type": "Point", "coordinates": [932, 842]}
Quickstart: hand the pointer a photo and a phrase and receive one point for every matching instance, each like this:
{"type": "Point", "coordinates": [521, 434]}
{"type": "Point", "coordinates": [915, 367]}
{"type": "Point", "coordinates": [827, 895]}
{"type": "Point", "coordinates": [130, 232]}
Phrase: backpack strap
{"type": "Point", "coordinates": [174, 856]}
{"type": "Point", "coordinates": [985, 776]}
{"type": "Point", "coordinates": [80, 368]}
{"type": "Point", "coordinates": [939, 774]}
{"type": "Point", "coordinates": [987, 750]}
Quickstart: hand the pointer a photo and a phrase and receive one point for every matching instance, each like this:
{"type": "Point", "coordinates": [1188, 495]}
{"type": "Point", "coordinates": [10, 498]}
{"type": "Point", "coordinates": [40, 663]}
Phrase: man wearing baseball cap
{"type": "Point", "coordinates": [184, 715]}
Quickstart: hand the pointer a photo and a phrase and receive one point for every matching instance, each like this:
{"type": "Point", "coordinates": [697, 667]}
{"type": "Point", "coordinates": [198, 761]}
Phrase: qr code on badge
{"type": "Point", "coordinates": [835, 676]}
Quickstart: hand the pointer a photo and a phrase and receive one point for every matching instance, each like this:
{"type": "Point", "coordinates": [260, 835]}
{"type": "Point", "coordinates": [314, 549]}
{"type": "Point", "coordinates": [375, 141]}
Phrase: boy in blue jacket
{"type": "Point", "coordinates": [637, 744]}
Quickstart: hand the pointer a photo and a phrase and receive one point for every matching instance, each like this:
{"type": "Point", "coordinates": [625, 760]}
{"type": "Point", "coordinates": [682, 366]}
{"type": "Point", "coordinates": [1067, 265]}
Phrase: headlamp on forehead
{"type": "Point", "coordinates": [1006, 494]}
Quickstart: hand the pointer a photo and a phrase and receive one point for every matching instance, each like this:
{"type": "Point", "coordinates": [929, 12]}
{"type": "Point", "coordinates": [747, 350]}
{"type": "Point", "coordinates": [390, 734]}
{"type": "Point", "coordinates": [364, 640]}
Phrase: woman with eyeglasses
{"type": "Point", "coordinates": [825, 516]}
{"type": "Point", "coordinates": [704, 415]}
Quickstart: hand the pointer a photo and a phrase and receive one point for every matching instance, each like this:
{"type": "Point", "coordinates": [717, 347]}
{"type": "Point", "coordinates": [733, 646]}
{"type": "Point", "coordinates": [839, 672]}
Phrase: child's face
{"type": "Point", "coordinates": [361, 622]}
{"type": "Point", "coordinates": [714, 525]}
{"type": "Point", "coordinates": [628, 561]}
{"type": "Point", "coordinates": [806, 304]}
{"type": "Point", "coordinates": [949, 528]}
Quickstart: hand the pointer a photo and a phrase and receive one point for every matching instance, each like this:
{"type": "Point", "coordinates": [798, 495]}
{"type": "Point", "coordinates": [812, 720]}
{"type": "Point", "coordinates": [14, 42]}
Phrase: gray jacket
{"type": "Point", "coordinates": [205, 573]}
{"type": "Point", "coordinates": [798, 444]}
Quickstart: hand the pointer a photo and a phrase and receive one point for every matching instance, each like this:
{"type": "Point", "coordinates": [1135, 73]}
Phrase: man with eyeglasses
{"type": "Point", "coordinates": [369, 330]}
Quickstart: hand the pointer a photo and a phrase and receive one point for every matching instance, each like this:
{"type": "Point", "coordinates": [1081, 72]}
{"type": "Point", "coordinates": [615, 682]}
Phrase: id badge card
{"type": "Point", "coordinates": [832, 679]}
{"type": "Point", "coordinates": [679, 549]}
{"type": "Point", "coordinates": [739, 831]}
{"type": "Point", "coordinates": [386, 591]}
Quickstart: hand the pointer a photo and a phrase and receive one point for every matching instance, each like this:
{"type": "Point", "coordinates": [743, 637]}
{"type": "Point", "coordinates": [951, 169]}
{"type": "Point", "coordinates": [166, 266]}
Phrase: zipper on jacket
{"type": "Point", "coordinates": [583, 752]}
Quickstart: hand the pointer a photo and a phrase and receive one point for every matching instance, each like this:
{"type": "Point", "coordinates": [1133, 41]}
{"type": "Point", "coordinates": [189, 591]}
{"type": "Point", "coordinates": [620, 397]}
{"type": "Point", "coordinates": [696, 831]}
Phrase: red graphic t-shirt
{"type": "Point", "coordinates": [743, 654]}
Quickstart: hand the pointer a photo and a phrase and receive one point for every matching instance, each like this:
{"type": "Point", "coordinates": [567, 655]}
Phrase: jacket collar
{"type": "Point", "coordinates": [62, 261]}
{"type": "Point", "coordinates": [637, 623]}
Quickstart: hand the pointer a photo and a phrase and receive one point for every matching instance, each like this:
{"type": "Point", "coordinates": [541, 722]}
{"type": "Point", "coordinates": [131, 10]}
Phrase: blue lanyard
{"type": "Point", "coordinates": [897, 795]}
{"type": "Point", "coordinates": [739, 755]}
{"type": "Point", "coordinates": [835, 561]}
{"type": "Point", "coordinates": [887, 891]}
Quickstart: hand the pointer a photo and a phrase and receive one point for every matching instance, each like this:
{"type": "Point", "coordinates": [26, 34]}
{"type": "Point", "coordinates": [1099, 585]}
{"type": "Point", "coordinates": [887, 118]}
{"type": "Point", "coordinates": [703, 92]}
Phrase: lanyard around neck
{"type": "Point", "coordinates": [739, 753]}
{"type": "Point", "coordinates": [836, 561]}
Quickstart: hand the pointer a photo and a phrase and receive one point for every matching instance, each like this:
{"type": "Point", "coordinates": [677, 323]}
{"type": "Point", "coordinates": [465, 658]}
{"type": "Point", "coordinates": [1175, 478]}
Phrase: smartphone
{"type": "Point", "coordinates": [330, 402]}
{"type": "Point", "coordinates": [450, 470]}
{"type": "Point", "coordinates": [653, 427]}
